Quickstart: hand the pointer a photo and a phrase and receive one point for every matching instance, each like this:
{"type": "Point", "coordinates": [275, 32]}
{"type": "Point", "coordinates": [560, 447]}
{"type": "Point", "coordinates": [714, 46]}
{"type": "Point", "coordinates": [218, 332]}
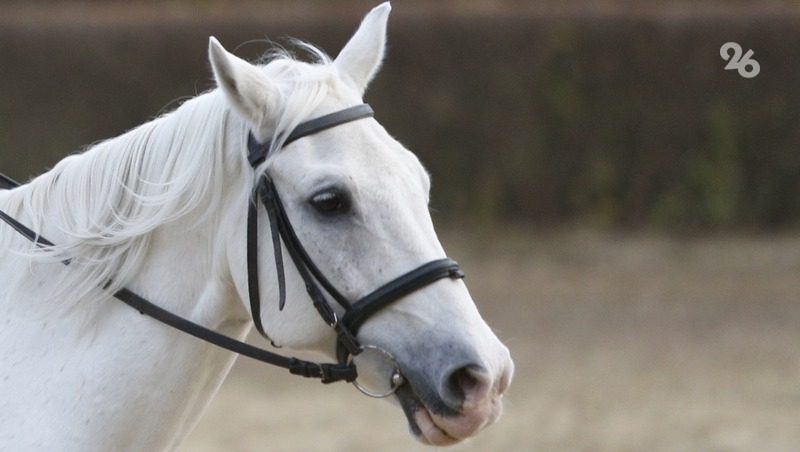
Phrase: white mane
{"type": "Point", "coordinates": [106, 202]}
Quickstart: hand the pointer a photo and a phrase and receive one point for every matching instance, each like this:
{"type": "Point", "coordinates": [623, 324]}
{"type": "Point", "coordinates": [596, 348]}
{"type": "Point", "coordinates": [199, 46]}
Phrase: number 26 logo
{"type": "Point", "coordinates": [746, 65]}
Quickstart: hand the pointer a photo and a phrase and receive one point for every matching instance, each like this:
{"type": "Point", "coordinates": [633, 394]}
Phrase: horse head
{"type": "Point", "coordinates": [358, 202]}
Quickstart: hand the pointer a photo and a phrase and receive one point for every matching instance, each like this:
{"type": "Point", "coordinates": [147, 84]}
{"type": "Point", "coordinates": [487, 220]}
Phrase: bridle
{"type": "Point", "coordinates": [316, 284]}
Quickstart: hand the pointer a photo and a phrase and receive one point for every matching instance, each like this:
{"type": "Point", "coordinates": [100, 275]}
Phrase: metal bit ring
{"type": "Point", "coordinates": [396, 380]}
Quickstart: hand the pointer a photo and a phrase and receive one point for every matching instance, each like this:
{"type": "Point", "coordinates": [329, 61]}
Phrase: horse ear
{"type": "Point", "coordinates": [247, 88]}
{"type": "Point", "coordinates": [361, 57]}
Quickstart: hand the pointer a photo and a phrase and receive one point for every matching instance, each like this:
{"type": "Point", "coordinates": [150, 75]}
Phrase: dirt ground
{"type": "Point", "coordinates": [622, 342]}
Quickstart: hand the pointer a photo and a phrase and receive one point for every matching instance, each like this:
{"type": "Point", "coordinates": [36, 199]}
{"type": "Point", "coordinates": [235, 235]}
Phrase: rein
{"type": "Point", "coordinates": [283, 234]}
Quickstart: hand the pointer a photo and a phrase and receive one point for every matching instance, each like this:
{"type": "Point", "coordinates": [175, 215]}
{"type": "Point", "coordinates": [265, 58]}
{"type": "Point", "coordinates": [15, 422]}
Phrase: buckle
{"type": "Point", "coordinates": [327, 373]}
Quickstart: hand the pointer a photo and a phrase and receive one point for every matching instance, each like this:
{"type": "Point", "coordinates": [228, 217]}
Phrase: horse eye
{"type": "Point", "coordinates": [332, 201]}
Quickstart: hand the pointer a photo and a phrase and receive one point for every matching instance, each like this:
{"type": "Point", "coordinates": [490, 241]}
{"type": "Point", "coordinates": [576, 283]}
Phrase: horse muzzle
{"type": "Point", "coordinates": [457, 405]}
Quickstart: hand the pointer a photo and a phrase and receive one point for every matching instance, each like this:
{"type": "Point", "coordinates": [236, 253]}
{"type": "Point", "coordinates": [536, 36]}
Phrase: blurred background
{"type": "Point", "coordinates": [626, 209]}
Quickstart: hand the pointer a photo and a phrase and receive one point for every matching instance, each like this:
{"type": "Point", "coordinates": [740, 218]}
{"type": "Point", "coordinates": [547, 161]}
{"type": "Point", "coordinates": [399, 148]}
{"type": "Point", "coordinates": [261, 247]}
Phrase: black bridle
{"type": "Point", "coordinates": [283, 234]}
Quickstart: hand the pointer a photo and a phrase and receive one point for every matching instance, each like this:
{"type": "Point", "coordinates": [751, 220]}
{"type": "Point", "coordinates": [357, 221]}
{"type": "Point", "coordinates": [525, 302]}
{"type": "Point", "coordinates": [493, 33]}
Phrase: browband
{"type": "Point", "coordinates": [258, 151]}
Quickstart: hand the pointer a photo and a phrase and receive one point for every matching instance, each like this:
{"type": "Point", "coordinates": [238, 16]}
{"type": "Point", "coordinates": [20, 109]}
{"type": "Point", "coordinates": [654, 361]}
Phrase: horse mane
{"type": "Point", "coordinates": [105, 203]}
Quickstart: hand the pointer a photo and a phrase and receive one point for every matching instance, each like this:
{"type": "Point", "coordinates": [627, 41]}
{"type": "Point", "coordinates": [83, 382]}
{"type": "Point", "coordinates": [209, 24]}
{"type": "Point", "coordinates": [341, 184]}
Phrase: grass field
{"type": "Point", "coordinates": [621, 342]}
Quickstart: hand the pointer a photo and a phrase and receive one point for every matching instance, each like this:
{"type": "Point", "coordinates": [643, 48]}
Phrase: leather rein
{"type": "Point", "coordinates": [283, 235]}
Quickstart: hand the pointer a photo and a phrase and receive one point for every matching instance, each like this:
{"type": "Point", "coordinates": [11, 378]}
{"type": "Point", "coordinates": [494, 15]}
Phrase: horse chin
{"type": "Point", "coordinates": [440, 430]}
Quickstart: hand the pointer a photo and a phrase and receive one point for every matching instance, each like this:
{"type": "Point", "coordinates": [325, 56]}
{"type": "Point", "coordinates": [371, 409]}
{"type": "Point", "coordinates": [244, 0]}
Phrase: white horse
{"type": "Point", "coordinates": [160, 210]}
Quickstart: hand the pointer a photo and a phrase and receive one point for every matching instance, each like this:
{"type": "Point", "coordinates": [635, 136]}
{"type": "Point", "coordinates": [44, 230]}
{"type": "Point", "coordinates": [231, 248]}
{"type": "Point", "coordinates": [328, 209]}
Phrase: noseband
{"type": "Point", "coordinates": [317, 285]}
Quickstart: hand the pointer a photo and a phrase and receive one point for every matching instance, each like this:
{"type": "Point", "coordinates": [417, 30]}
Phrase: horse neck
{"type": "Point", "coordinates": [105, 358]}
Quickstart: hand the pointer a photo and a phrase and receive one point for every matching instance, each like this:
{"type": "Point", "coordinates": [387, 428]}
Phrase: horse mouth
{"type": "Point", "coordinates": [421, 420]}
{"type": "Point", "coordinates": [430, 433]}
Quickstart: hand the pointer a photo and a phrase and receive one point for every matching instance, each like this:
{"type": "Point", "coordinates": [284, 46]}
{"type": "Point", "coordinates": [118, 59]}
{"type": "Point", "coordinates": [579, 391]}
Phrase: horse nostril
{"type": "Point", "coordinates": [465, 385]}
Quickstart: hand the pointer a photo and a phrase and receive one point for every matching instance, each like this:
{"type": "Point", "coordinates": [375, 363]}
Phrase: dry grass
{"type": "Point", "coordinates": [622, 343]}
